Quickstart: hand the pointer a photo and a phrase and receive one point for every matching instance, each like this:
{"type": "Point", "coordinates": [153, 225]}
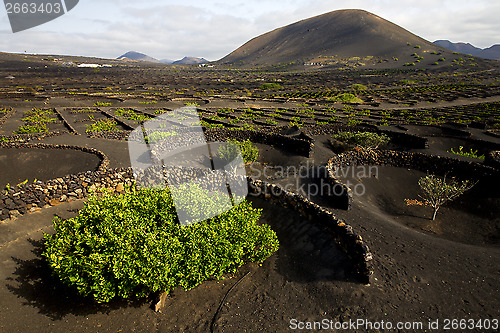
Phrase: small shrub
{"type": "Point", "coordinates": [160, 111]}
{"type": "Point", "coordinates": [156, 136]}
{"type": "Point", "coordinates": [438, 191]}
{"type": "Point", "coordinates": [353, 121]}
{"type": "Point", "coordinates": [229, 151]}
{"type": "Point", "coordinates": [131, 245]}
{"type": "Point", "coordinates": [345, 98]}
{"type": "Point", "coordinates": [102, 125]}
{"type": "Point", "coordinates": [39, 118]}
{"type": "Point", "coordinates": [102, 104]}
{"type": "Point", "coordinates": [32, 128]}
{"type": "Point", "coordinates": [358, 87]}
{"type": "Point", "coordinates": [210, 125]}
{"type": "Point", "coordinates": [462, 152]}
{"type": "Point", "coordinates": [368, 140]}
{"type": "Point", "coordinates": [271, 86]}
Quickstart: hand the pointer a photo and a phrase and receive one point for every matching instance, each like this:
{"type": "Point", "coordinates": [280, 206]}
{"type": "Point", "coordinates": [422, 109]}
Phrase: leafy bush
{"type": "Point", "coordinates": [271, 86]}
{"type": "Point", "coordinates": [353, 121]}
{"type": "Point", "coordinates": [271, 121]}
{"type": "Point", "coordinates": [156, 136]}
{"type": "Point", "coordinates": [358, 87]}
{"type": "Point", "coordinates": [364, 139]}
{"type": "Point", "coordinates": [102, 125]}
{"type": "Point", "coordinates": [36, 116]}
{"type": "Point", "coordinates": [32, 128]}
{"type": "Point", "coordinates": [438, 191]}
{"type": "Point", "coordinates": [210, 125]}
{"type": "Point", "coordinates": [471, 153]}
{"type": "Point", "coordinates": [229, 151]}
{"type": "Point", "coordinates": [40, 118]}
{"type": "Point", "coordinates": [131, 245]}
{"type": "Point", "coordinates": [102, 104]}
{"type": "Point", "coordinates": [345, 98]}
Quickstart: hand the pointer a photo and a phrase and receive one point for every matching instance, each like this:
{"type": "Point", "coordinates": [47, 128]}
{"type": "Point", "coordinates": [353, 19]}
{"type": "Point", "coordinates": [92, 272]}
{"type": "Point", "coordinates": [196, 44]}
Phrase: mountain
{"type": "Point", "coordinates": [191, 61]}
{"type": "Point", "coordinates": [492, 52]}
{"type": "Point", "coordinates": [132, 55]}
{"type": "Point", "coordinates": [343, 33]}
{"type": "Point", "coordinates": [465, 48]}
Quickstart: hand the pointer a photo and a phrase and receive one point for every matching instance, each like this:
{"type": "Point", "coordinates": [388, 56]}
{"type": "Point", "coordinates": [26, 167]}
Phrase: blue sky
{"type": "Point", "coordinates": [211, 29]}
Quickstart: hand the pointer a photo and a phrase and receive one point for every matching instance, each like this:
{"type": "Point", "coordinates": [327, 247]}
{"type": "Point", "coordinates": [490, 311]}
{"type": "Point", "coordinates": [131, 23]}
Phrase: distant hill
{"type": "Point", "coordinates": [191, 61]}
{"type": "Point", "coordinates": [343, 33]}
{"type": "Point", "coordinates": [492, 52]}
{"type": "Point", "coordinates": [465, 48]}
{"type": "Point", "coordinates": [132, 55]}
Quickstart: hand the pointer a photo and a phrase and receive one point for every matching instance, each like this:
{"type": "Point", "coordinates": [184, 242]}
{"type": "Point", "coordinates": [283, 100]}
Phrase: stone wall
{"type": "Point", "coordinates": [351, 243]}
{"type": "Point", "coordinates": [406, 140]}
{"type": "Point", "coordinates": [6, 116]}
{"type": "Point", "coordinates": [32, 136]}
{"type": "Point", "coordinates": [402, 139]}
{"type": "Point", "coordinates": [493, 159]}
{"type": "Point", "coordinates": [300, 146]}
{"type": "Point", "coordinates": [427, 163]}
{"type": "Point", "coordinates": [343, 198]}
{"type": "Point", "coordinates": [66, 123]}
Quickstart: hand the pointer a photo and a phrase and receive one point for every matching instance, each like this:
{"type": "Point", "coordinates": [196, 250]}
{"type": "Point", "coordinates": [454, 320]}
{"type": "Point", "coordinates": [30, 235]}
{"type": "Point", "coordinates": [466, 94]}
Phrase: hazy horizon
{"type": "Point", "coordinates": [173, 30]}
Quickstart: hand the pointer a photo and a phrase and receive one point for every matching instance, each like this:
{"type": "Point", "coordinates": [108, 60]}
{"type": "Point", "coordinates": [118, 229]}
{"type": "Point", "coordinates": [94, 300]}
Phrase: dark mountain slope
{"type": "Point", "coordinates": [342, 33]}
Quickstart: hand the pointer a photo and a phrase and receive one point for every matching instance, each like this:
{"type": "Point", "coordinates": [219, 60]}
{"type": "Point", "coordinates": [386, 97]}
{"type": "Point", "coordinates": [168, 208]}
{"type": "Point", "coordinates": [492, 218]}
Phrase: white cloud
{"type": "Point", "coordinates": [213, 28]}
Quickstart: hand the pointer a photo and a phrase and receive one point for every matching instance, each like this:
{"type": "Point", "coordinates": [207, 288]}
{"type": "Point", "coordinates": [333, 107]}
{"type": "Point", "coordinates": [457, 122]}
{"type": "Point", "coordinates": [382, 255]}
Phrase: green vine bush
{"type": "Point", "coordinates": [271, 86]}
{"type": "Point", "coordinates": [102, 125]}
{"type": "Point", "coordinates": [345, 98]}
{"type": "Point", "coordinates": [462, 152]}
{"type": "Point", "coordinates": [368, 140]}
{"type": "Point", "coordinates": [229, 151]}
{"type": "Point", "coordinates": [131, 245]}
